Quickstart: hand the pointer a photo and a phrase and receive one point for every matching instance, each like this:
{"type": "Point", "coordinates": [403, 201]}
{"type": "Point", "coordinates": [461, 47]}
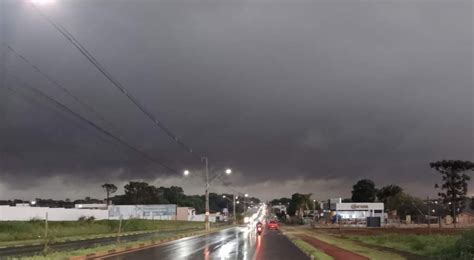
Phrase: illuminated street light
{"type": "Point", "coordinates": [42, 2]}
{"type": "Point", "coordinates": [33, 202]}
{"type": "Point", "coordinates": [246, 195]}
{"type": "Point", "coordinates": [208, 180]}
{"type": "Point", "coordinates": [223, 196]}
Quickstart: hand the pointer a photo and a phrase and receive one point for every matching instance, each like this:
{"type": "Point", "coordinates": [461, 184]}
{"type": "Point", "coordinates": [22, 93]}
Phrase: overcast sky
{"type": "Point", "coordinates": [295, 96]}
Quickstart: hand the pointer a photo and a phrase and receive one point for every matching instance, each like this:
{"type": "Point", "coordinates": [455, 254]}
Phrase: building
{"type": "Point", "coordinates": [354, 213]}
{"type": "Point", "coordinates": [185, 213]}
{"type": "Point", "coordinates": [465, 218]}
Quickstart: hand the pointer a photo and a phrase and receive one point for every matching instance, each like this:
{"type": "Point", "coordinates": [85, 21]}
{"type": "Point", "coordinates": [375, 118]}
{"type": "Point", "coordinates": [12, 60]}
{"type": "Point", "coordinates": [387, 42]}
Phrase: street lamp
{"type": "Point", "coordinates": [208, 180]}
{"type": "Point", "coordinates": [42, 2]}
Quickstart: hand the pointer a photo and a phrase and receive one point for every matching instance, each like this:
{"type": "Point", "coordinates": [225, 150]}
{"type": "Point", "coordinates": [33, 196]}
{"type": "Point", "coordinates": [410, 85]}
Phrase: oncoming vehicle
{"type": "Point", "coordinates": [273, 225]}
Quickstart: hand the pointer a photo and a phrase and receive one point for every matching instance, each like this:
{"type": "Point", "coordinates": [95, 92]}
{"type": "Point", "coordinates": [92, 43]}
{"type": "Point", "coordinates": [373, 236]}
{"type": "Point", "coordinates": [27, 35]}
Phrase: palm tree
{"type": "Point", "coordinates": [109, 188]}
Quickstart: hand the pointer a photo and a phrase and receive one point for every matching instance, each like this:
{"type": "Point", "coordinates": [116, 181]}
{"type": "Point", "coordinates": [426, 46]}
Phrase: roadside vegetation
{"type": "Point", "coordinates": [355, 247]}
{"type": "Point", "coordinates": [11, 231]}
{"type": "Point", "coordinates": [434, 245]}
{"type": "Point", "coordinates": [426, 245]}
{"type": "Point", "coordinates": [309, 249]}
{"type": "Point", "coordinates": [63, 255]}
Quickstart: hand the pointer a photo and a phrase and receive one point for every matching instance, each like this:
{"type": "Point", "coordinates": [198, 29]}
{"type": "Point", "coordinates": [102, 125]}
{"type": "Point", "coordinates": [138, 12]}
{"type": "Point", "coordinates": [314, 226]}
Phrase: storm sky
{"type": "Point", "coordinates": [295, 96]}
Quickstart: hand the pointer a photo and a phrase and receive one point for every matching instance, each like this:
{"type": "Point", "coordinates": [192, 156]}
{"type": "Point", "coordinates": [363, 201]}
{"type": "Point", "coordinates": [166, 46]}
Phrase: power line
{"type": "Point", "coordinates": [55, 83]}
{"type": "Point", "coordinates": [114, 81]}
{"type": "Point", "coordinates": [90, 123]}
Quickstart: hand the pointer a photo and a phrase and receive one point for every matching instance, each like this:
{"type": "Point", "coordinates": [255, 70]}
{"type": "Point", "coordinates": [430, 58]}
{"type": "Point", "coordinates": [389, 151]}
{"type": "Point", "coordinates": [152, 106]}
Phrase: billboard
{"type": "Point", "coordinates": [162, 211]}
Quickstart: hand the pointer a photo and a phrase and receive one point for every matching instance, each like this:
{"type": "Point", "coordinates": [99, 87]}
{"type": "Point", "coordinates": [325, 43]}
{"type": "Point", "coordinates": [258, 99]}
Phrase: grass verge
{"type": "Point", "coordinates": [426, 245]}
{"type": "Point", "coordinates": [31, 232]}
{"type": "Point", "coordinates": [347, 244]}
{"type": "Point", "coordinates": [64, 255]}
{"type": "Point", "coordinates": [309, 249]}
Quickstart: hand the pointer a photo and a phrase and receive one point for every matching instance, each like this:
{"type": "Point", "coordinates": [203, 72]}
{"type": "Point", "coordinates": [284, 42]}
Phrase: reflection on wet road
{"type": "Point", "coordinates": [232, 243]}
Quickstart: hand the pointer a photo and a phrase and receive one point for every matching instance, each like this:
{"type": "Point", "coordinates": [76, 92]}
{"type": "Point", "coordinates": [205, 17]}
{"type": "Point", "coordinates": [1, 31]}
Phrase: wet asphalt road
{"type": "Point", "coordinates": [232, 243]}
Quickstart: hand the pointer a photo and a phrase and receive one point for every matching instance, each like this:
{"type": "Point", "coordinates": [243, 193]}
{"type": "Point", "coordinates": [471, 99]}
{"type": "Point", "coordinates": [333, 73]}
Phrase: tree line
{"type": "Point", "coordinates": [452, 195]}
{"type": "Point", "coordinates": [142, 193]}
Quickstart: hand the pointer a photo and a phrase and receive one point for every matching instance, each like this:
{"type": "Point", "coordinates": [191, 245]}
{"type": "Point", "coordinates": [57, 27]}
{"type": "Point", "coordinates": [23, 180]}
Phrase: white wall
{"type": "Point", "coordinates": [202, 217]}
{"type": "Point", "coordinates": [54, 214]}
{"type": "Point", "coordinates": [158, 212]}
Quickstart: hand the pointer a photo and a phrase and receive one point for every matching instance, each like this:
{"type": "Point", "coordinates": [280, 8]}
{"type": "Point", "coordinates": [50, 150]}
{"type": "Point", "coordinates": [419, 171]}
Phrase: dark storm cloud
{"type": "Point", "coordinates": [278, 89]}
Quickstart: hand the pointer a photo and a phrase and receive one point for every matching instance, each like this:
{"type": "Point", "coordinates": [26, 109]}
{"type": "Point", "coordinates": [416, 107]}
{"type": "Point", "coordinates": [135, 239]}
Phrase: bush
{"type": "Point", "coordinates": [417, 245]}
{"type": "Point", "coordinates": [465, 245]}
{"type": "Point", "coordinates": [90, 219]}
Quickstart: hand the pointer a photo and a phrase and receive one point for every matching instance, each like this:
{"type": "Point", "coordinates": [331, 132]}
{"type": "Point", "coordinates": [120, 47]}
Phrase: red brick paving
{"type": "Point", "coordinates": [336, 252]}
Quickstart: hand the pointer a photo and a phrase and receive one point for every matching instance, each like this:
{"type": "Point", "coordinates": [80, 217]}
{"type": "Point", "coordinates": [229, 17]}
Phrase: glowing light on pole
{"type": "Point", "coordinates": [42, 2]}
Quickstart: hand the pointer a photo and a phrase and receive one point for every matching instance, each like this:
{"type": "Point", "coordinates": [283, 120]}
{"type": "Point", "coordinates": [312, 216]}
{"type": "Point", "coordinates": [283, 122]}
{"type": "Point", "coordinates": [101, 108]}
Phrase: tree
{"type": "Point", "coordinates": [299, 203]}
{"type": "Point", "coordinates": [109, 188]}
{"type": "Point", "coordinates": [387, 192]}
{"type": "Point", "coordinates": [405, 205]}
{"type": "Point", "coordinates": [454, 187]}
{"type": "Point", "coordinates": [471, 205]}
{"type": "Point", "coordinates": [280, 201]}
{"type": "Point", "coordinates": [364, 191]}
{"type": "Point", "coordinates": [140, 193]}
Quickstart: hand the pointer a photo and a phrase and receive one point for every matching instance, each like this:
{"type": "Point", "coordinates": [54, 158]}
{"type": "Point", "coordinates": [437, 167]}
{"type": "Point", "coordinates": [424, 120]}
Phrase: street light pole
{"type": "Point", "coordinates": [208, 180]}
{"type": "Point", "coordinates": [206, 219]}
{"type": "Point", "coordinates": [234, 217]}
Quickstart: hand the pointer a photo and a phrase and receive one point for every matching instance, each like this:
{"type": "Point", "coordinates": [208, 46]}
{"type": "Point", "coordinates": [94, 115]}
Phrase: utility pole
{"type": "Point", "coordinates": [454, 199]}
{"type": "Point", "coordinates": [234, 216]}
{"type": "Point", "coordinates": [119, 229]}
{"type": "Point", "coordinates": [206, 219]}
{"type": "Point", "coordinates": [208, 180]}
{"type": "Point", "coordinates": [45, 250]}
{"type": "Point", "coordinates": [454, 213]}
{"type": "Point", "coordinates": [429, 214]}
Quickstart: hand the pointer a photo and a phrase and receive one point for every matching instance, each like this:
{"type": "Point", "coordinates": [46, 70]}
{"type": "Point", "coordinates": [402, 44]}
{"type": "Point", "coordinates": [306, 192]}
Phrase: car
{"type": "Point", "coordinates": [272, 225]}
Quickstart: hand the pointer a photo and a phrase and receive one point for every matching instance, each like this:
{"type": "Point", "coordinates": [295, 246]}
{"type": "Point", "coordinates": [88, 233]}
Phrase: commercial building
{"type": "Point", "coordinates": [354, 213]}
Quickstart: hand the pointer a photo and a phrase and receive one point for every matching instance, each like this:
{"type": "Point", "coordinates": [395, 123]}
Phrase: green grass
{"type": "Point", "coordinates": [309, 249]}
{"type": "Point", "coordinates": [427, 245]}
{"type": "Point", "coordinates": [354, 247]}
{"type": "Point", "coordinates": [63, 255]}
{"type": "Point", "coordinates": [11, 232]}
